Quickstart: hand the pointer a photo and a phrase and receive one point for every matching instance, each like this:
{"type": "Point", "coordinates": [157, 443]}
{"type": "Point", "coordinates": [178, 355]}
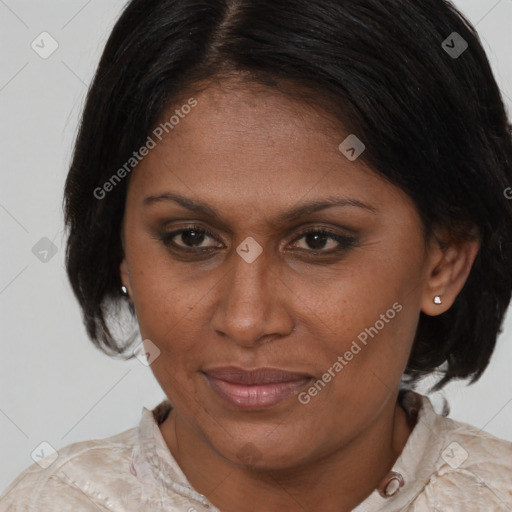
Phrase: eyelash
{"type": "Point", "coordinates": [344, 241]}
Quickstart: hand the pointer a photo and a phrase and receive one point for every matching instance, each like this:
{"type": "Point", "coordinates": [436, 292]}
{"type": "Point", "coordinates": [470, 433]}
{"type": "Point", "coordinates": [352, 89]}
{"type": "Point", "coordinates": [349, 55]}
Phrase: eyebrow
{"type": "Point", "coordinates": [296, 212]}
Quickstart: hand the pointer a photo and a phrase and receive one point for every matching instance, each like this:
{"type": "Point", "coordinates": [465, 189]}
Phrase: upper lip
{"type": "Point", "coordinates": [237, 375]}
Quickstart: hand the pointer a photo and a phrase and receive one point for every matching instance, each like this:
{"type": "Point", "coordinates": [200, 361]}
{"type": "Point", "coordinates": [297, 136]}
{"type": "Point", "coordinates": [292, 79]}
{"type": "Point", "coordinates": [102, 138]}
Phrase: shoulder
{"type": "Point", "coordinates": [61, 481]}
{"type": "Point", "coordinates": [474, 469]}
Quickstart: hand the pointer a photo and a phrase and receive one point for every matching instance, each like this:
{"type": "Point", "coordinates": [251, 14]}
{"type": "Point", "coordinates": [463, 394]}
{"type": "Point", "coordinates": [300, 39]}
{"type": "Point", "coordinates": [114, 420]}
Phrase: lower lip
{"type": "Point", "coordinates": [257, 396]}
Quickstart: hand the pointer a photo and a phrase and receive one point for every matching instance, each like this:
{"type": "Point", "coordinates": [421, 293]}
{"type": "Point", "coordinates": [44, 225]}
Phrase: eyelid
{"type": "Point", "coordinates": [323, 229]}
{"type": "Point", "coordinates": [312, 227]}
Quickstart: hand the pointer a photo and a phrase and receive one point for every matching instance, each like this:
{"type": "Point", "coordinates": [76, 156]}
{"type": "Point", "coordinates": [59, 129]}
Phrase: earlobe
{"type": "Point", "coordinates": [449, 270]}
{"type": "Point", "coordinates": [125, 276]}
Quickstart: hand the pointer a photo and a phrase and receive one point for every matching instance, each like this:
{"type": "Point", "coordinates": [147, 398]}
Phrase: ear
{"type": "Point", "coordinates": [125, 275]}
{"type": "Point", "coordinates": [450, 262]}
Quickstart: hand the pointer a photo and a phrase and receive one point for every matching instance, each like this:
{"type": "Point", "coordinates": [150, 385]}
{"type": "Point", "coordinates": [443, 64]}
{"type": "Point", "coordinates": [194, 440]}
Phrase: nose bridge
{"type": "Point", "coordinates": [247, 308]}
{"type": "Point", "coordinates": [249, 281]}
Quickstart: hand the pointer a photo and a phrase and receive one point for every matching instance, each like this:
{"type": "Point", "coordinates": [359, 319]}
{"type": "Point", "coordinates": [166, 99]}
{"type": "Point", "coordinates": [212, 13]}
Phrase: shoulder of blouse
{"type": "Point", "coordinates": [447, 466]}
{"type": "Point", "coordinates": [65, 483]}
{"type": "Point", "coordinates": [473, 472]}
{"type": "Point", "coordinates": [128, 472]}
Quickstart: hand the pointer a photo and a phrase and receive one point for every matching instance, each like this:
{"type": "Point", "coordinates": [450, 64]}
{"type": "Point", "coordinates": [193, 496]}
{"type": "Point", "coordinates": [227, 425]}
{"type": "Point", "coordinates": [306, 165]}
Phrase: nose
{"type": "Point", "coordinates": [252, 301]}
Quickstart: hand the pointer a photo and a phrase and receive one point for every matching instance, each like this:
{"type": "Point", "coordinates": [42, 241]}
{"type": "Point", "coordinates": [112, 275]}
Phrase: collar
{"type": "Point", "coordinates": [418, 459]}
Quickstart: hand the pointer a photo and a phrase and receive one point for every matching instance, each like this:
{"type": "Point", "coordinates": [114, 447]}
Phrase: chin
{"type": "Point", "coordinates": [264, 455]}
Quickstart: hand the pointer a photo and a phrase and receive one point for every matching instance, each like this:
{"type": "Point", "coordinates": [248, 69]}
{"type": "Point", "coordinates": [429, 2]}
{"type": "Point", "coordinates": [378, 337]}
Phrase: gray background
{"type": "Point", "coordinates": [55, 386]}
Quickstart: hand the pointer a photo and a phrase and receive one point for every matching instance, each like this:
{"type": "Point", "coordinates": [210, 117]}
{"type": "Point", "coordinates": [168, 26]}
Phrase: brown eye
{"type": "Point", "coordinates": [188, 238]}
{"type": "Point", "coordinates": [192, 237]}
{"type": "Point", "coordinates": [317, 240]}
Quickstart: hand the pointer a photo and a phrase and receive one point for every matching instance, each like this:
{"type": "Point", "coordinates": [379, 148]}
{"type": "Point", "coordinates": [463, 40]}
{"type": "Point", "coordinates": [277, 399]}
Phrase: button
{"type": "Point", "coordinates": [391, 484]}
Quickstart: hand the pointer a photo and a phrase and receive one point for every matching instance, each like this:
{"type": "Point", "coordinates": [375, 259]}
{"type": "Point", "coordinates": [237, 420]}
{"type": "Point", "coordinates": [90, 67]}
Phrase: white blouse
{"type": "Point", "coordinates": [446, 466]}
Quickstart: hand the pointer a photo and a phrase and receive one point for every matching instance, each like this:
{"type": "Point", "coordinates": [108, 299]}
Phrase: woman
{"type": "Point", "coordinates": [305, 206]}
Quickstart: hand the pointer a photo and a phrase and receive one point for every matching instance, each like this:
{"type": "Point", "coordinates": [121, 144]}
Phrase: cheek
{"type": "Point", "coordinates": [366, 291]}
{"type": "Point", "coordinates": [364, 369]}
{"type": "Point", "coordinates": [169, 321]}
{"type": "Point", "coordinates": [165, 316]}
{"type": "Point", "coordinates": [163, 297]}
{"type": "Point", "coordinates": [369, 321]}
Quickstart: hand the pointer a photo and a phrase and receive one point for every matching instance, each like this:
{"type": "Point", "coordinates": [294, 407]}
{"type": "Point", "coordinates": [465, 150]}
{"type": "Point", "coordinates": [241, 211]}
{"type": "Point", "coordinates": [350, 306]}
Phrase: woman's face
{"type": "Point", "coordinates": [257, 291]}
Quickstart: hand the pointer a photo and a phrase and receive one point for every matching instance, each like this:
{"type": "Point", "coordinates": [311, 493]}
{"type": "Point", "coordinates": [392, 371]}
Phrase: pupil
{"type": "Point", "coordinates": [318, 240]}
{"type": "Point", "coordinates": [192, 237]}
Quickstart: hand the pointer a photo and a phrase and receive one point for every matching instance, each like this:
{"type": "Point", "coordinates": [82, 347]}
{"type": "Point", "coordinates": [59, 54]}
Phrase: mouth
{"type": "Point", "coordinates": [255, 389]}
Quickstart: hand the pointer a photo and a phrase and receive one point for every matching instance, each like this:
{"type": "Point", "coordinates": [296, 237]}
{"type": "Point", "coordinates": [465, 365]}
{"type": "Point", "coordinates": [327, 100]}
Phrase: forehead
{"type": "Point", "coordinates": [253, 144]}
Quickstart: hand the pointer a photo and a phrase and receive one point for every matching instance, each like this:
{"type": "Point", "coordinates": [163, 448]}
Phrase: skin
{"type": "Point", "coordinates": [251, 154]}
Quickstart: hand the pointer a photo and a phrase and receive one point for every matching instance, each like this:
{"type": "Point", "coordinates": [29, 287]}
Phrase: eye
{"type": "Point", "coordinates": [316, 240]}
{"type": "Point", "coordinates": [191, 238]}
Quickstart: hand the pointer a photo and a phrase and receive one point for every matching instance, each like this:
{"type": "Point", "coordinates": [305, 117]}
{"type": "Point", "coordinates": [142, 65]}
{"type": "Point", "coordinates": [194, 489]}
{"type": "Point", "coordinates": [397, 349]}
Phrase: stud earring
{"type": "Point", "coordinates": [124, 291]}
{"type": "Point", "coordinates": [437, 299]}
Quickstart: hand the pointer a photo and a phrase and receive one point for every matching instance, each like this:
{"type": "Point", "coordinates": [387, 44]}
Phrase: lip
{"type": "Point", "coordinates": [255, 389]}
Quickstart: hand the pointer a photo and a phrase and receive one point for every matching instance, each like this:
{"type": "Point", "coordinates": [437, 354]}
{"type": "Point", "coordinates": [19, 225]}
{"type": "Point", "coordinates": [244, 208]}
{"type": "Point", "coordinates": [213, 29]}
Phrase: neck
{"type": "Point", "coordinates": [335, 483]}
